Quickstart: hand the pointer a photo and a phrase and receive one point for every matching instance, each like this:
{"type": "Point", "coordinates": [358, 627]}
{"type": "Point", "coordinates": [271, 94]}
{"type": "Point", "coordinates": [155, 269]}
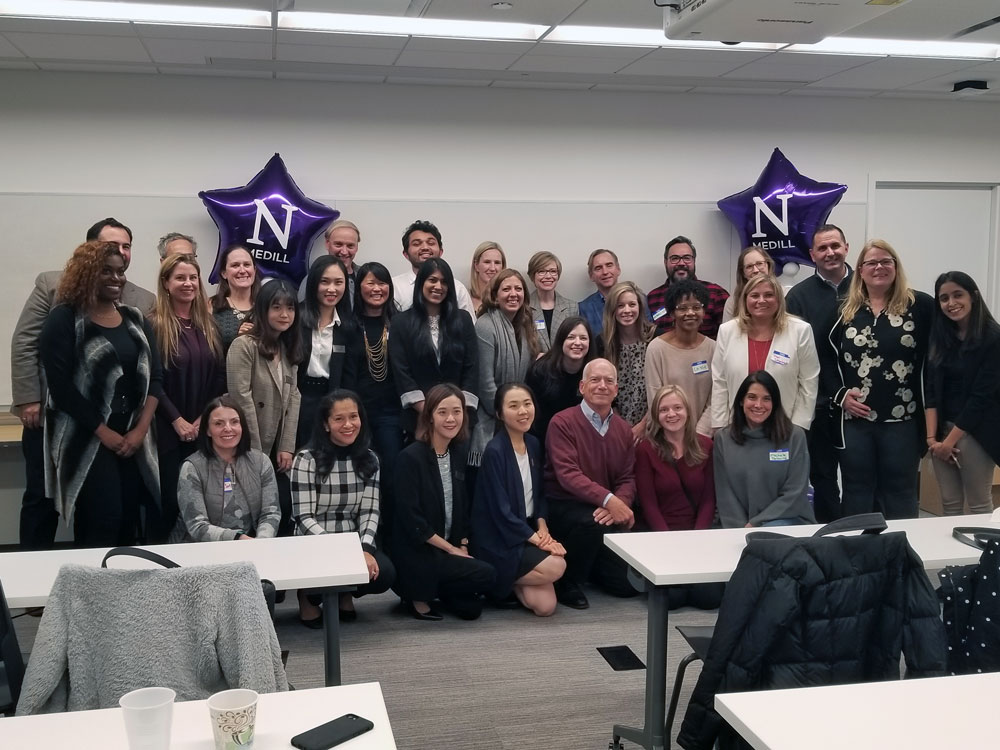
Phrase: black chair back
{"type": "Point", "coordinates": [12, 668]}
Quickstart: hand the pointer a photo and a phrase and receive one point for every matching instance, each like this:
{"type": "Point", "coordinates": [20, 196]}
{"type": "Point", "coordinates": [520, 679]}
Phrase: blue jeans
{"type": "Point", "coordinates": [879, 465]}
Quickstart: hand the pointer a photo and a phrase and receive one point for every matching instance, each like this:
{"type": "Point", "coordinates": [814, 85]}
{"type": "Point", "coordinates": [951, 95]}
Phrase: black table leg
{"type": "Point", "coordinates": [331, 630]}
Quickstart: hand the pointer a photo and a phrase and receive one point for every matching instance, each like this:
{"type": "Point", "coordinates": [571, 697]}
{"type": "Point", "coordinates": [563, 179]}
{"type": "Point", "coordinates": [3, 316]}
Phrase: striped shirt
{"type": "Point", "coordinates": [342, 502]}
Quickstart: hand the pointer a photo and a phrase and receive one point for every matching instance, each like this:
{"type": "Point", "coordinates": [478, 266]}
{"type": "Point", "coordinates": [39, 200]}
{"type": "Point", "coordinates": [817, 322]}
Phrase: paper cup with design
{"type": "Point", "coordinates": [233, 714]}
{"type": "Point", "coordinates": [148, 713]}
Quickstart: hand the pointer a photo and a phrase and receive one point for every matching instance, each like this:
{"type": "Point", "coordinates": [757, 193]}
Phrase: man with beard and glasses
{"type": "Point", "coordinates": [679, 259]}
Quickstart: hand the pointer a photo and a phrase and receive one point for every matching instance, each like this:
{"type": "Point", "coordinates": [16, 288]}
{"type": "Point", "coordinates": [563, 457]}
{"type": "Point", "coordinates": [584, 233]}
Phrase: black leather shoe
{"type": "Point", "coordinates": [571, 595]}
{"type": "Point", "coordinates": [315, 624]}
{"type": "Point", "coordinates": [431, 615]}
{"type": "Point", "coordinates": [347, 615]}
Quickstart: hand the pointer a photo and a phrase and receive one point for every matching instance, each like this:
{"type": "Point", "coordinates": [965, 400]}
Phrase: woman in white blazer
{"type": "Point", "coordinates": [763, 336]}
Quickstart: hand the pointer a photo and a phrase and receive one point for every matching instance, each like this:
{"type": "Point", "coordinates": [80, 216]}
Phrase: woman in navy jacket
{"type": "Point", "coordinates": [508, 516]}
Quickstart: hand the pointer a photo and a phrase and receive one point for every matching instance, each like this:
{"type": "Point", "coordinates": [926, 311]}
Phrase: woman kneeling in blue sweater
{"type": "Point", "coordinates": [761, 461]}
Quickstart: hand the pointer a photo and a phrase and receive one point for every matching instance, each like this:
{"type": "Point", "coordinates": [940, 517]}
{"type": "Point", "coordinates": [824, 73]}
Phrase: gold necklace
{"type": "Point", "coordinates": [378, 362]}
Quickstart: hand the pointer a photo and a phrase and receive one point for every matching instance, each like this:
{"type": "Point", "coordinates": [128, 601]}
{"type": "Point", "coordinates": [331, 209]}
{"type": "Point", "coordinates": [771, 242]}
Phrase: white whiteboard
{"type": "Point", "coordinates": [43, 230]}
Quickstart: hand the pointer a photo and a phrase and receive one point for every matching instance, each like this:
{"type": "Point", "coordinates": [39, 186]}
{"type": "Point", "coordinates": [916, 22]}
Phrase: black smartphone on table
{"type": "Point", "coordinates": [332, 733]}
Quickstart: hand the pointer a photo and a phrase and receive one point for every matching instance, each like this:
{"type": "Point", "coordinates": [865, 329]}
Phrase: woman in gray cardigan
{"type": "Point", "coordinates": [761, 461]}
{"type": "Point", "coordinates": [226, 489]}
{"type": "Point", "coordinates": [508, 344]}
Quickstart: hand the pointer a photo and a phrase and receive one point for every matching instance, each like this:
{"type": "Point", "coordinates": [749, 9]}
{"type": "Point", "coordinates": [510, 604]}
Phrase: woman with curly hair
{"type": "Point", "coordinates": [193, 372]}
{"type": "Point", "coordinates": [104, 383]}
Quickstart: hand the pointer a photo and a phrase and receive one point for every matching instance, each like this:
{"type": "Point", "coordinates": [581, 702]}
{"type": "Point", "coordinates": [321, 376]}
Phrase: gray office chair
{"type": "Point", "coordinates": [12, 666]}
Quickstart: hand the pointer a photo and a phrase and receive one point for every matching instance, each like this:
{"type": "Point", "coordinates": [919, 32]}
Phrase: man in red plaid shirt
{"type": "Point", "coordinates": [679, 259]}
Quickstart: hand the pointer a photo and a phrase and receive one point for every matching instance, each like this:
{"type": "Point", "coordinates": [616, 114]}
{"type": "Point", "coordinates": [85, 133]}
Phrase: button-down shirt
{"type": "Point", "coordinates": [717, 297]}
{"type": "Point", "coordinates": [322, 348]}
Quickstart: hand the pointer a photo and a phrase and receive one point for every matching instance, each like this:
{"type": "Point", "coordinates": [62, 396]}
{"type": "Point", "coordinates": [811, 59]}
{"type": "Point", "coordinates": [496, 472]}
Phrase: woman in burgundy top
{"type": "Point", "coordinates": [193, 373]}
{"type": "Point", "coordinates": [674, 481]}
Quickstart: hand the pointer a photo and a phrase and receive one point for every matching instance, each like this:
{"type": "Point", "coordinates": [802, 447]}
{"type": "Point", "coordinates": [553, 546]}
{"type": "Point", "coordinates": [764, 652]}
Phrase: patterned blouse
{"type": "Point", "coordinates": [883, 357]}
{"type": "Point", "coordinates": [631, 403]}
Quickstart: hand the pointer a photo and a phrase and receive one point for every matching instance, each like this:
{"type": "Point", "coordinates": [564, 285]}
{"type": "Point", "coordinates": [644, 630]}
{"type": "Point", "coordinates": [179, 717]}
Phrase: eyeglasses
{"type": "Point", "coordinates": [752, 266]}
{"type": "Point", "coordinates": [681, 258]}
{"type": "Point", "coordinates": [880, 263]}
{"type": "Point", "coordinates": [548, 272]}
{"type": "Point", "coordinates": [689, 308]}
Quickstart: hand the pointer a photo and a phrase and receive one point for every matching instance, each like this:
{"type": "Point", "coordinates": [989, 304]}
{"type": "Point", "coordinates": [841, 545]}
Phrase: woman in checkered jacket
{"type": "Point", "coordinates": [335, 489]}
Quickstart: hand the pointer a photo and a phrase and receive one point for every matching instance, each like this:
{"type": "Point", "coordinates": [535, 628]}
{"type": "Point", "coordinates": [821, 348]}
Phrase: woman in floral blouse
{"type": "Point", "coordinates": [881, 341]}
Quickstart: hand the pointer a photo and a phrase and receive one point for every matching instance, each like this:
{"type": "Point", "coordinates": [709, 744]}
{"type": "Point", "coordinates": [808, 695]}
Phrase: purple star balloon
{"type": "Point", "coordinates": [782, 211]}
{"type": "Point", "coordinates": [272, 218]}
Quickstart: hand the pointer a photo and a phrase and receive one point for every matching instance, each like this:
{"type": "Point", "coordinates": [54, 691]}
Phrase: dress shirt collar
{"type": "Point", "coordinates": [601, 425]}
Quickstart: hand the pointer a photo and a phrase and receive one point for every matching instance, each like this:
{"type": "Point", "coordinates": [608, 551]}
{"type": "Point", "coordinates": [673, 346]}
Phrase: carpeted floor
{"type": "Point", "coordinates": [509, 680]}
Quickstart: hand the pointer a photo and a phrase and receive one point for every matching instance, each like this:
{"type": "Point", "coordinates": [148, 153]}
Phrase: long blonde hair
{"type": "Point", "coordinates": [611, 331]}
{"type": "Point", "coordinates": [476, 289]}
{"type": "Point", "coordinates": [900, 296]}
{"type": "Point", "coordinates": [780, 315]}
{"type": "Point", "coordinates": [166, 324]}
{"type": "Point", "coordinates": [694, 454]}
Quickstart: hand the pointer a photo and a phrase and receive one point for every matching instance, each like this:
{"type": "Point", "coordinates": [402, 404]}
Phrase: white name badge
{"type": "Point", "coordinates": [780, 358]}
{"type": "Point", "coordinates": [227, 485]}
{"type": "Point", "coordinates": [540, 325]}
{"type": "Point", "coordinates": [779, 455]}
{"type": "Point", "coordinates": [659, 313]}
{"type": "Point", "coordinates": [700, 367]}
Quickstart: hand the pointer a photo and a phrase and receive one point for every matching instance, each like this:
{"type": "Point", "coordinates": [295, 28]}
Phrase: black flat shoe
{"type": "Point", "coordinates": [347, 615]}
{"type": "Point", "coordinates": [431, 615]}
{"type": "Point", "coordinates": [571, 595]}
{"type": "Point", "coordinates": [315, 624]}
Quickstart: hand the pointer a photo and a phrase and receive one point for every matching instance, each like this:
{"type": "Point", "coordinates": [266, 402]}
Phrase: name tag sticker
{"type": "Point", "coordinates": [779, 455]}
{"type": "Point", "coordinates": [227, 485]}
{"type": "Point", "coordinates": [540, 325]}
{"type": "Point", "coordinates": [780, 358]}
{"type": "Point", "coordinates": [659, 313]}
{"type": "Point", "coordinates": [699, 367]}
{"type": "Point", "coordinates": [339, 349]}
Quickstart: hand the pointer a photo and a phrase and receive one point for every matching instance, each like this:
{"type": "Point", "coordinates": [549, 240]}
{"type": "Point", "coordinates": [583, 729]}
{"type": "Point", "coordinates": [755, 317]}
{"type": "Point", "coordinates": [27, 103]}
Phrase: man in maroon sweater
{"type": "Point", "coordinates": [590, 485]}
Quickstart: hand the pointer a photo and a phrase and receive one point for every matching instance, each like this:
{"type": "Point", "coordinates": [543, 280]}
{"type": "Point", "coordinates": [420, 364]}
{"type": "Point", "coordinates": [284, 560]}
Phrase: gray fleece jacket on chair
{"type": "Point", "coordinates": [105, 632]}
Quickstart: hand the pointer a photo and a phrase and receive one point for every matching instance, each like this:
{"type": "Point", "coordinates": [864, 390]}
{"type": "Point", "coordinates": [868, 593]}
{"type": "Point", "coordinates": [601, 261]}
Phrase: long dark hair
{"type": "Point", "coordinates": [944, 332]}
{"type": "Point", "coordinates": [225, 401]}
{"type": "Point", "coordinates": [548, 370]}
{"type": "Point", "coordinates": [381, 273]}
{"type": "Point", "coordinates": [324, 450]}
{"type": "Point", "coordinates": [777, 427]}
{"type": "Point", "coordinates": [220, 298]}
{"type": "Point", "coordinates": [451, 342]}
{"type": "Point", "coordinates": [309, 308]}
{"type": "Point", "coordinates": [270, 341]}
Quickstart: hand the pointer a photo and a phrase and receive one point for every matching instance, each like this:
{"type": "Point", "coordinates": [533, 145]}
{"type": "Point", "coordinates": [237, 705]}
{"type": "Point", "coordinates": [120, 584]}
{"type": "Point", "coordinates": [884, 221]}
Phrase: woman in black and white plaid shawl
{"type": "Point", "coordinates": [335, 489]}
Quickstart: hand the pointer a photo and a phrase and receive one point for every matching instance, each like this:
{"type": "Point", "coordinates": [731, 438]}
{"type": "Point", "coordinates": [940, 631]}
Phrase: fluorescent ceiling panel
{"type": "Point", "coordinates": [840, 45]}
{"type": "Point", "coordinates": [639, 38]}
{"type": "Point", "coordinates": [89, 10]}
{"type": "Point", "coordinates": [406, 26]}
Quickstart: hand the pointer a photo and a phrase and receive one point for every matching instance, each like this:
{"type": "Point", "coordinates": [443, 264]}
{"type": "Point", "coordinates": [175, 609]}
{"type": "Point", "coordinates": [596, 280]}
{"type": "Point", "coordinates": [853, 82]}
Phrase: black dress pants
{"type": "Point", "coordinates": [587, 558]}
{"type": "Point", "coordinates": [39, 518]}
{"type": "Point", "coordinates": [824, 459]}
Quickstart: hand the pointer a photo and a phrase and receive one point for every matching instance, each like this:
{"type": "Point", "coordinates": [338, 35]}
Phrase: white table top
{"type": "Point", "coordinates": [936, 713]}
{"type": "Point", "coordinates": [280, 716]}
{"type": "Point", "coordinates": [668, 558]}
{"type": "Point", "coordinates": [290, 562]}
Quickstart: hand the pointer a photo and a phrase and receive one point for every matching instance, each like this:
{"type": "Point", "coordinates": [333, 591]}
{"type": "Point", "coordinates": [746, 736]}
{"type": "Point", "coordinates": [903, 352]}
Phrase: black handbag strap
{"type": "Point", "coordinates": [975, 536]}
{"type": "Point", "coordinates": [145, 554]}
{"type": "Point", "coordinates": [866, 523]}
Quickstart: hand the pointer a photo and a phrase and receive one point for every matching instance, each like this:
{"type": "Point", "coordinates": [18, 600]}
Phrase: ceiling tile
{"type": "Point", "coordinates": [17, 65]}
{"type": "Point", "coordinates": [691, 62]}
{"type": "Point", "coordinates": [9, 50]}
{"type": "Point", "coordinates": [640, 88]}
{"type": "Point", "coordinates": [636, 15]}
{"type": "Point", "coordinates": [743, 90]}
{"type": "Point", "coordinates": [562, 49]}
{"type": "Point", "coordinates": [58, 26]}
{"type": "Point", "coordinates": [468, 46]}
{"type": "Point", "coordinates": [524, 11]}
{"type": "Point", "coordinates": [989, 72]}
{"type": "Point", "coordinates": [424, 81]}
{"type": "Point", "coordinates": [892, 72]}
{"type": "Point", "coordinates": [342, 78]}
{"type": "Point", "coordinates": [915, 95]}
{"type": "Point", "coordinates": [197, 52]}
{"type": "Point", "coordinates": [371, 7]}
{"type": "Point", "coordinates": [563, 64]}
{"type": "Point", "coordinates": [367, 41]}
{"type": "Point", "coordinates": [179, 70]}
{"type": "Point", "coordinates": [456, 60]}
{"type": "Point", "coordinates": [212, 33]}
{"type": "Point", "coordinates": [791, 66]}
{"type": "Point", "coordinates": [340, 55]}
{"type": "Point", "coordinates": [926, 19]}
{"type": "Point", "coordinates": [540, 85]}
{"type": "Point", "coordinates": [845, 93]}
{"type": "Point", "coordinates": [80, 47]}
{"type": "Point", "coordinates": [81, 67]}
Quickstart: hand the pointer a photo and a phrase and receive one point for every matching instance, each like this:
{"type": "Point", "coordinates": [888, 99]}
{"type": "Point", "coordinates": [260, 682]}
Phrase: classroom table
{"type": "Point", "coordinates": [327, 561]}
{"type": "Point", "coordinates": [922, 714]}
{"type": "Point", "coordinates": [280, 716]}
{"type": "Point", "coordinates": [669, 558]}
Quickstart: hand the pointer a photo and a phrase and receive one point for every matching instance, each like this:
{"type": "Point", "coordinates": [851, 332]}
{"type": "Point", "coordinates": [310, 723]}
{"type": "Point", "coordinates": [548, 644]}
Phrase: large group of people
{"type": "Point", "coordinates": [481, 440]}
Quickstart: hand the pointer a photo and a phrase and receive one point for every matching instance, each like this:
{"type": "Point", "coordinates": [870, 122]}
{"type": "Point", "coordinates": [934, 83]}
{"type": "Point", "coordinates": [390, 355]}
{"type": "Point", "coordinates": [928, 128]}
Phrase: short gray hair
{"type": "Point", "coordinates": [169, 237]}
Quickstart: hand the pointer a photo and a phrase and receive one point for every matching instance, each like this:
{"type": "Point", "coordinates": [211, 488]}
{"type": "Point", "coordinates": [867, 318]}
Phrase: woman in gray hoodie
{"type": "Point", "coordinates": [761, 461]}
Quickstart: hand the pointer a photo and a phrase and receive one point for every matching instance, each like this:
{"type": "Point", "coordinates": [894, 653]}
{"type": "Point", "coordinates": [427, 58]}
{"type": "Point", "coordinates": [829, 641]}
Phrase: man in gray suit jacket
{"type": "Point", "coordinates": [38, 515]}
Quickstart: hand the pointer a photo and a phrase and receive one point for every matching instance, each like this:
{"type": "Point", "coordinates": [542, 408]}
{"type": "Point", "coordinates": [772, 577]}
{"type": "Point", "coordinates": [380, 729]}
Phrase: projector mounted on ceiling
{"type": "Point", "coordinates": [778, 21]}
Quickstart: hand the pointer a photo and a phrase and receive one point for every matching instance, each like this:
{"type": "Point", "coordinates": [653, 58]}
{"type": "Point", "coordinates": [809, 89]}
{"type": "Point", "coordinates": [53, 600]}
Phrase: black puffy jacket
{"type": "Point", "coordinates": [811, 611]}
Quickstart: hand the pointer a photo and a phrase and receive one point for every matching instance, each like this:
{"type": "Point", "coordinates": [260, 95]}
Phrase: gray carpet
{"type": "Point", "coordinates": [509, 680]}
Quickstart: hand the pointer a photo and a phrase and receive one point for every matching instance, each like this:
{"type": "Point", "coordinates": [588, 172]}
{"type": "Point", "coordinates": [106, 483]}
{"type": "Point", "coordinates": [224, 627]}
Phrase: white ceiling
{"type": "Point", "coordinates": [33, 44]}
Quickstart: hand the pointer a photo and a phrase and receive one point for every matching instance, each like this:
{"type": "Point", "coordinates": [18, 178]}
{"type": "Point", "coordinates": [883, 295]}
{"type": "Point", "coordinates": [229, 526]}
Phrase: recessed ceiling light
{"type": "Point", "coordinates": [406, 26]}
{"type": "Point", "coordinates": [87, 10]}
{"type": "Point", "coordinates": [841, 45]}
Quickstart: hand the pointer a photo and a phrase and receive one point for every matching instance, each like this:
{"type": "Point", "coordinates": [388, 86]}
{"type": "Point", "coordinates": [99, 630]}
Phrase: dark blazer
{"type": "Point", "coordinates": [419, 514]}
{"type": "Point", "coordinates": [564, 308]}
{"type": "Point", "coordinates": [981, 386]}
{"type": "Point", "coordinates": [345, 359]}
{"type": "Point", "coordinates": [416, 370]}
{"type": "Point", "coordinates": [499, 523]}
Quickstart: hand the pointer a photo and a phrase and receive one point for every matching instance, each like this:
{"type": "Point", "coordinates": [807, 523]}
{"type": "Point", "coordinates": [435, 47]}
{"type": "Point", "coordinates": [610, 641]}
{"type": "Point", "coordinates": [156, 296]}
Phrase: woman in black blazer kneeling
{"type": "Point", "coordinates": [430, 541]}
